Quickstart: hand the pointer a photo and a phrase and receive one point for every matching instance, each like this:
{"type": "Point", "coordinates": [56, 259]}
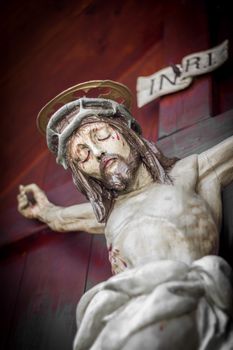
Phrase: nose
{"type": "Point", "coordinates": [98, 152]}
{"type": "Point", "coordinates": [101, 155]}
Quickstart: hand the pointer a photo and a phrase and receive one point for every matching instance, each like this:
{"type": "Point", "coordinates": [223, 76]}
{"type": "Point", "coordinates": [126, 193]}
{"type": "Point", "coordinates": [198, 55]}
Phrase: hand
{"type": "Point", "coordinates": [32, 201]}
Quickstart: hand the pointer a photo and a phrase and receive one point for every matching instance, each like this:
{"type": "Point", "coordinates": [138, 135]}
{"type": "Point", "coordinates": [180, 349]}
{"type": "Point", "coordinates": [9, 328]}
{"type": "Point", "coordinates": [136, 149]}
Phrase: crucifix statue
{"type": "Point", "coordinates": [161, 218]}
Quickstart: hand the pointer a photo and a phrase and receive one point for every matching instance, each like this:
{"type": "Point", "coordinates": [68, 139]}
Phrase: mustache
{"type": "Point", "coordinates": [105, 159]}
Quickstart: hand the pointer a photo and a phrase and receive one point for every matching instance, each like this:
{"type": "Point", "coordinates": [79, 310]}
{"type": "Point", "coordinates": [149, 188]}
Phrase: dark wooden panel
{"type": "Point", "coordinates": [150, 62]}
{"type": "Point", "coordinates": [33, 172]}
{"type": "Point", "coordinates": [55, 174]}
{"type": "Point", "coordinates": [99, 268]}
{"type": "Point", "coordinates": [185, 32]}
{"type": "Point", "coordinates": [199, 137]}
{"type": "Point", "coordinates": [53, 282]}
{"type": "Point", "coordinates": [220, 28]}
{"type": "Point", "coordinates": [11, 274]}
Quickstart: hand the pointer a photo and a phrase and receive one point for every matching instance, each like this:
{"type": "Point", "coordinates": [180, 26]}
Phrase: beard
{"type": "Point", "coordinates": [117, 172]}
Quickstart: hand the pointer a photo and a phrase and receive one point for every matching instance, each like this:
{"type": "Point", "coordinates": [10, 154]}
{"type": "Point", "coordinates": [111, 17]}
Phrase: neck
{"type": "Point", "coordinates": [142, 179]}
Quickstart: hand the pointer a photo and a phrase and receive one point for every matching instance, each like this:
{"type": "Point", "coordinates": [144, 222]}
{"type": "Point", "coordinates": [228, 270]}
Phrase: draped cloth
{"type": "Point", "coordinates": [160, 305]}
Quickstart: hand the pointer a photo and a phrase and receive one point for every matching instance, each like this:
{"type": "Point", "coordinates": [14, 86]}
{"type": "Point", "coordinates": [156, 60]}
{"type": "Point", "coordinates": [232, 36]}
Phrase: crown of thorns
{"type": "Point", "coordinates": [73, 113]}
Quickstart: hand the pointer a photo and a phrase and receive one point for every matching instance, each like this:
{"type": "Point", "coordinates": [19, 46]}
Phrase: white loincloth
{"type": "Point", "coordinates": [161, 305]}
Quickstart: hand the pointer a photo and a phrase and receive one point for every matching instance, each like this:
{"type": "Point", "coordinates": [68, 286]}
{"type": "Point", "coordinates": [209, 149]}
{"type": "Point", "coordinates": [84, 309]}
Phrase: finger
{"type": "Point", "coordinates": [21, 189]}
{"type": "Point", "coordinates": [22, 196]}
{"type": "Point", "coordinates": [26, 212]}
{"type": "Point", "coordinates": [37, 192]}
{"type": "Point", "coordinates": [22, 205]}
{"type": "Point", "coordinates": [33, 188]}
{"type": "Point", "coordinates": [24, 202]}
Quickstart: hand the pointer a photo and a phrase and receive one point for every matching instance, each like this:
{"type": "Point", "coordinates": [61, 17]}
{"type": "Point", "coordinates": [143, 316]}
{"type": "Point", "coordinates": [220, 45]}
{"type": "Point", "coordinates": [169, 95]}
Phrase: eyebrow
{"type": "Point", "coordinates": [80, 146]}
{"type": "Point", "coordinates": [99, 128]}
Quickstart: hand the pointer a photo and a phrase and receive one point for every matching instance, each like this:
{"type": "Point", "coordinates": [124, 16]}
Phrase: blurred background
{"type": "Point", "coordinates": [48, 46]}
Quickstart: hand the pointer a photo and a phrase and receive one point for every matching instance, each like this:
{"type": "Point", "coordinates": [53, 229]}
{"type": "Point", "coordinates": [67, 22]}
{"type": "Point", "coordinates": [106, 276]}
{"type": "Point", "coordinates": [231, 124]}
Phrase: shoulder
{"type": "Point", "coordinates": [185, 172]}
{"type": "Point", "coordinates": [216, 164]}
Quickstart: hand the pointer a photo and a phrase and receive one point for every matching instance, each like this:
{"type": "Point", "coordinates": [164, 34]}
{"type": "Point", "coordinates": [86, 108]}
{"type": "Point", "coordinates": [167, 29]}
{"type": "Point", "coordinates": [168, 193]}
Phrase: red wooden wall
{"type": "Point", "coordinates": [48, 46]}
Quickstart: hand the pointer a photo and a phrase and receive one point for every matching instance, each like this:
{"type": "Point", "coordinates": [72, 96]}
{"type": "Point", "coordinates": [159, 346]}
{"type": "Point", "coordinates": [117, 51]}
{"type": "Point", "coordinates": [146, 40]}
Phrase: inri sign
{"type": "Point", "coordinates": [179, 77]}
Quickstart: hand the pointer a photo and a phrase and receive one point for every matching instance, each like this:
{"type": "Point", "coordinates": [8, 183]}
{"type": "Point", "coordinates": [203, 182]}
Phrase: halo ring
{"type": "Point", "coordinates": [116, 91]}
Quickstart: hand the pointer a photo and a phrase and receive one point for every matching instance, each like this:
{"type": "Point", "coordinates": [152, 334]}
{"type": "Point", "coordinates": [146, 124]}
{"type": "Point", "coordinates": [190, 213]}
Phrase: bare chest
{"type": "Point", "coordinates": [169, 203]}
{"type": "Point", "coordinates": [162, 222]}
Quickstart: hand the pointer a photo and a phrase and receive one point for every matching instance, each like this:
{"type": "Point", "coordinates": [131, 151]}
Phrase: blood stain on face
{"type": "Point", "coordinates": [114, 163]}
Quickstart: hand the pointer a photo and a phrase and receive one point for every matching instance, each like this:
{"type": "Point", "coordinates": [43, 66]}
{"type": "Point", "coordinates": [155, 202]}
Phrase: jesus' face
{"type": "Point", "coordinates": [102, 152]}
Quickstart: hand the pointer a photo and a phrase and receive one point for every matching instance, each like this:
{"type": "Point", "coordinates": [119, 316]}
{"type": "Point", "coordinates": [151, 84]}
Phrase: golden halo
{"type": "Point", "coordinates": [95, 88]}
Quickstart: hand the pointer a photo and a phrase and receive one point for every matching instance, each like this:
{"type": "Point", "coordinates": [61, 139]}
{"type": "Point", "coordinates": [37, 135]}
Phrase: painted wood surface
{"type": "Point", "coordinates": [198, 137]}
{"type": "Point", "coordinates": [50, 46]}
{"type": "Point", "coordinates": [50, 282]}
{"type": "Point", "coordinates": [180, 110]}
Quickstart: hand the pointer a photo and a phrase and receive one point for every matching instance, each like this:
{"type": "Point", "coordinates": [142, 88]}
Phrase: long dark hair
{"type": "Point", "coordinates": [102, 198]}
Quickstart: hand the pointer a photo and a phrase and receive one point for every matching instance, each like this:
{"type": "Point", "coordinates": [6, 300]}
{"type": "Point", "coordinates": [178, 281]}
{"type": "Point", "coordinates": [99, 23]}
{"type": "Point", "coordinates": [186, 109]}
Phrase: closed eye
{"type": "Point", "coordinates": [101, 134]}
{"type": "Point", "coordinates": [82, 154]}
{"type": "Point", "coordinates": [87, 157]}
{"type": "Point", "coordinates": [103, 138]}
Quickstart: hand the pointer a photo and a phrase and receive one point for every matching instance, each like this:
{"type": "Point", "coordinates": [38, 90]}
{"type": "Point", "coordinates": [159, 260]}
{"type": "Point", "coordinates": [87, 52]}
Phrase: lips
{"type": "Point", "coordinates": [106, 161]}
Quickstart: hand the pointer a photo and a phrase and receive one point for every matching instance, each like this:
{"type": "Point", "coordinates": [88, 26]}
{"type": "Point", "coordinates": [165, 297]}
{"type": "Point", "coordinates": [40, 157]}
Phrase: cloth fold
{"type": "Point", "coordinates": [158, 301]}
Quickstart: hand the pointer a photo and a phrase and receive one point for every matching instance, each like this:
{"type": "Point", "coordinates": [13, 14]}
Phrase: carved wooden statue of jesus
{"type": "Point", "coordinates": [161, 218]}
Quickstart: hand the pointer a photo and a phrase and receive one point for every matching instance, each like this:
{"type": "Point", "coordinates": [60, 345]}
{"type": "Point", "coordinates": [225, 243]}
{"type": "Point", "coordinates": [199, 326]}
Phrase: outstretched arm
{"type": "Point", "coordinates": [78, 217]}
{"type": "Point", "coordinates": [217, 162]}
{"type": "Point", "coordinates": [215, 168]}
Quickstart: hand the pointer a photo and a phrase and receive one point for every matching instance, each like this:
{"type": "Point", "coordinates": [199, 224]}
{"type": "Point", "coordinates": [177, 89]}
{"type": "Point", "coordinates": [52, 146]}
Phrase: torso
{"type": "Point", "coordinates": [162, 222]}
